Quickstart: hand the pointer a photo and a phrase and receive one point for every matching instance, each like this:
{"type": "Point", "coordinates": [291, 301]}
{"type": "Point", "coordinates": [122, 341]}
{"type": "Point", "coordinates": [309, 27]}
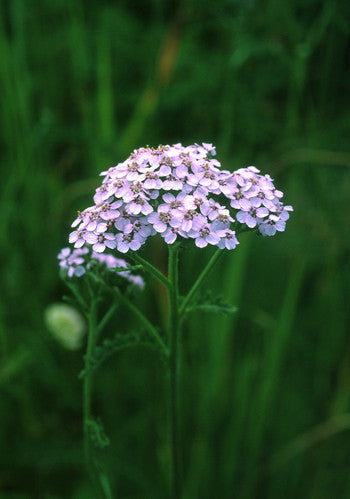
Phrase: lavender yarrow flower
{"type": "Point", "coordinates": [178, 192]}
{"type": "Point", "coordinates": [73, 261]}
{"type": "Point", "coordinates": [77, 261]}
{"type": "Point", "coordinates": [111, 262]}
{"type": "Point", "coordinates": [257, 198]}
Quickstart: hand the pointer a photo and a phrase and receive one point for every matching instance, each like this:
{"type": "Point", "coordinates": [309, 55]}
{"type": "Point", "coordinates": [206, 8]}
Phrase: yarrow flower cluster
{"type": "Point", "coordinates": [178, 192]}
{"type": "Point", "coordinates": [77, 261]}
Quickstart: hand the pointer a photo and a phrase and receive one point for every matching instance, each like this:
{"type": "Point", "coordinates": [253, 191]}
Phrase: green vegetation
{"type": "Point", "coordinates": [266, 391]}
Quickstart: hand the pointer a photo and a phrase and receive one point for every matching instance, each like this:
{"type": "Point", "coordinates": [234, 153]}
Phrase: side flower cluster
{"type": "Point", "coordinates": [178, 192]}
{"type": "Point", "coordinates": [77, 261]}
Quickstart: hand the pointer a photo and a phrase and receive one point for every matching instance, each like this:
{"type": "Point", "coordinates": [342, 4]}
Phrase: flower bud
{"type": "Point", "coordinates": [65, 324]}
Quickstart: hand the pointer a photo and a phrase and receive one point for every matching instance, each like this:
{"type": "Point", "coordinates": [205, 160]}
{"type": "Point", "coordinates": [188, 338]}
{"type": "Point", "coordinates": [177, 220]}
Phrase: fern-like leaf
{"type": "Point", "coordinates": [212, 304]}
{"type": "Point", "coordinates": [97, 433]}
{"type": "Point", "coordinates": [113, 345]}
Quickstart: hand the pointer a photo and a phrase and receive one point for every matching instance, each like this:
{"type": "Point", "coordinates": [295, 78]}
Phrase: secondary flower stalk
{"type": "Point", "coordinates": [81, 268]}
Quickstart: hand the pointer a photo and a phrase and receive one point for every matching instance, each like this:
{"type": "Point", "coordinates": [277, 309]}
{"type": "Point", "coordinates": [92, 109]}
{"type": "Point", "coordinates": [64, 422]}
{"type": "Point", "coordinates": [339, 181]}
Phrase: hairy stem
{"type": "Point", "coordinates": [87, 393]}
{"type": "Point", "coordinates": [174, 330]}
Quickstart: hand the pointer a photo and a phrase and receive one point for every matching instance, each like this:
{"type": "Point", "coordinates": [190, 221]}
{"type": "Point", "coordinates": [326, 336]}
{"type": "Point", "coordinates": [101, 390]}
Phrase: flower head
{"type": "Point", "coordinates": [178, 192]}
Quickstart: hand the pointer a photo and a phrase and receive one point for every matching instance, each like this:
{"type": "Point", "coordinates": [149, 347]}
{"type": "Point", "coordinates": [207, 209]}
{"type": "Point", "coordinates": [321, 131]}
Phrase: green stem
{"type": "Point", "coordinates": [87, 392]}
{"type": "Point", "coordinates": [107, 317]}
{"type": "Point", "coordinates": [215, 257]}
{"type": "Point", "coordinates": [174, 330]}
{"type": "Point", "coordinates": [151, 329]}
{"type": "Point", "coordinates": [97, 475]}
{"type": "Point", "coordinates": [150, 269]}
{"type": "Point", "coordinates": [78, 296]}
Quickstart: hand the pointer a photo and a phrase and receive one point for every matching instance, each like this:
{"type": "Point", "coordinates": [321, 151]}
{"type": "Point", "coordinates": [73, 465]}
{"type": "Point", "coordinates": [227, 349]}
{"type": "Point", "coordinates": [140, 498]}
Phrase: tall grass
{"type": "Point", "coordinates": [266, 392]}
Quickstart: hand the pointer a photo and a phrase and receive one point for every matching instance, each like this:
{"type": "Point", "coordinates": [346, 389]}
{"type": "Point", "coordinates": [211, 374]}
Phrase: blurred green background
{"type": "Point", "coordinates": [266, 394]}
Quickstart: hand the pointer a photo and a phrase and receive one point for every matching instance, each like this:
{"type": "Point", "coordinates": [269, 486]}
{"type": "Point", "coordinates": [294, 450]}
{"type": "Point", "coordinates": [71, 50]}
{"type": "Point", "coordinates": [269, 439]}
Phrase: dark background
{"type": "Point", "coordinates": [266, 394]}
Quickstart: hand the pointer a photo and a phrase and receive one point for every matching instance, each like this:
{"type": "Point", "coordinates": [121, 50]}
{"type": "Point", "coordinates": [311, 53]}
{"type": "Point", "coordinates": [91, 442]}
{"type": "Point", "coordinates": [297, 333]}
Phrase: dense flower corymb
{"type": "Point", "coordinates": [178, 192]}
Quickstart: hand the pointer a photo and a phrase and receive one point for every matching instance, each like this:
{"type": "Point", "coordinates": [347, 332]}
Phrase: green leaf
{"type": "Point", "coordinates": [97, 433]}
{"type": "Point", "coordinates": [212, 304]}
{"type": "Point", "coordinates": [125, 269]}
{"type": "Point", "coordinates": [115, 344]}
